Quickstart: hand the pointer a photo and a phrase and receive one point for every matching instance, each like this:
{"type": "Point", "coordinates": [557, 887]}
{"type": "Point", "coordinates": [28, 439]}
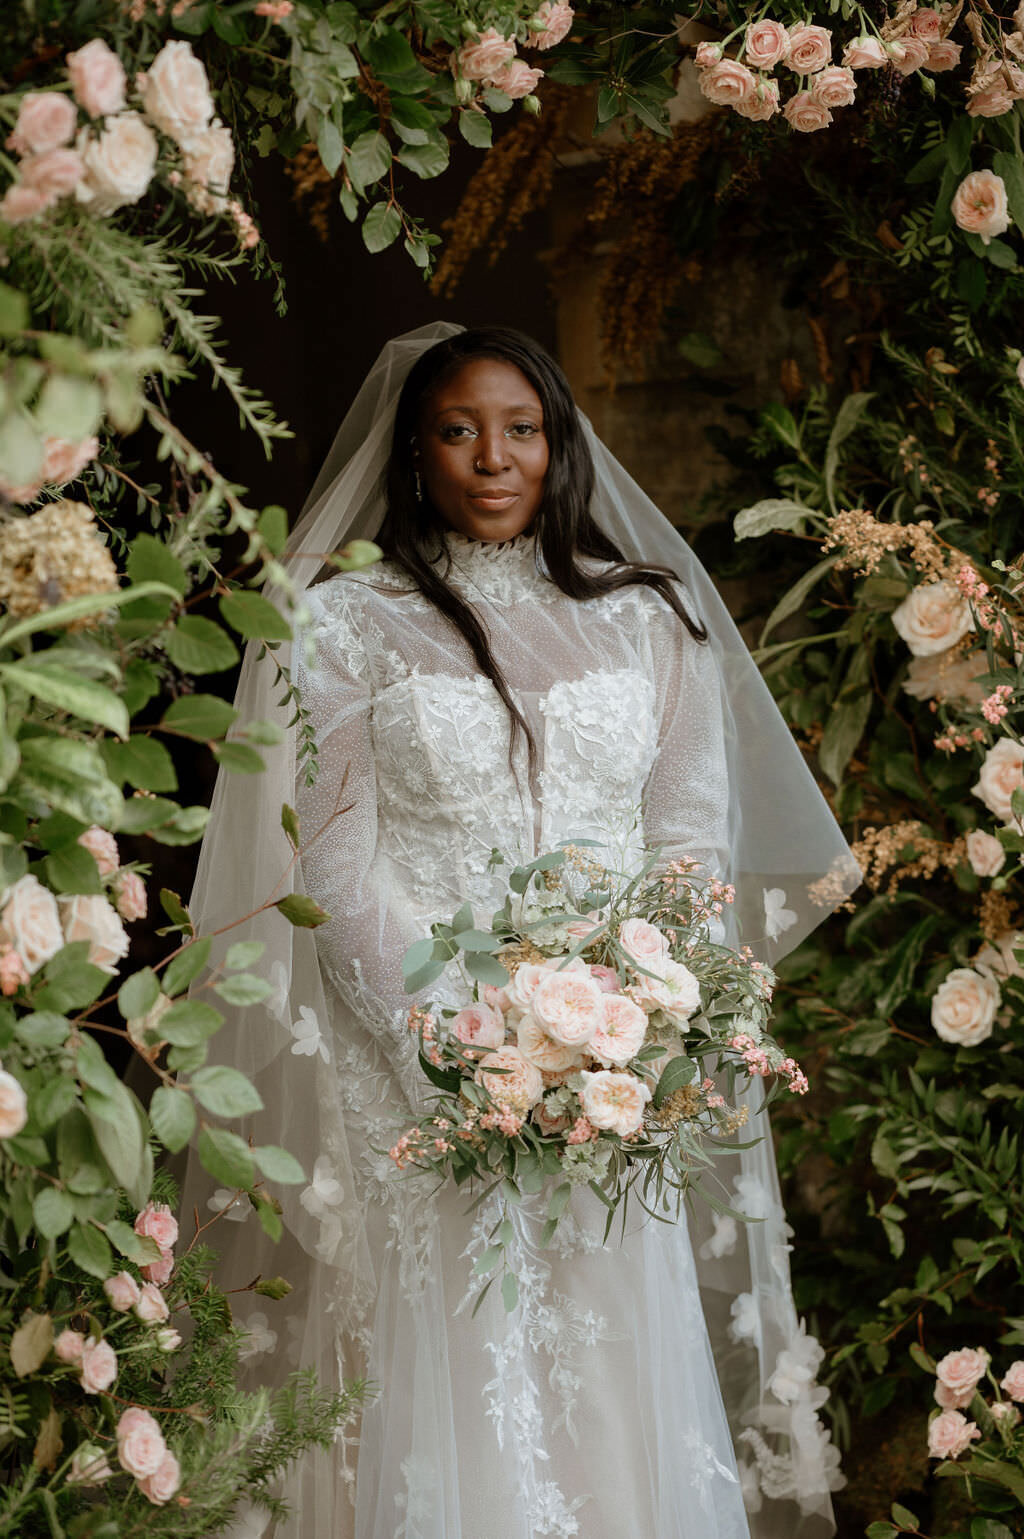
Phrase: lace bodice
{"type": "Point", "coordinates": [417, 753]}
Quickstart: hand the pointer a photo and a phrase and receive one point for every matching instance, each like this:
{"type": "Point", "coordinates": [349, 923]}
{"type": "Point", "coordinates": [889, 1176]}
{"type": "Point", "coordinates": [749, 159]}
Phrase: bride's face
{"type": "Point", "coordinates": [481, 450]}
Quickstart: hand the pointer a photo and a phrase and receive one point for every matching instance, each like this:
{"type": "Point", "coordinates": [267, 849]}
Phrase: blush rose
{"type": "Point", "coordinates": [766, 44]}
{"type": "Point", "coordinates": [1000, 775]}
{"type": "Point", "coordinates": [864, 53]}
{"type": "Point", "coordinates": [551, 24]}
{"type": "Point", "coordinates": [979, 205]}
{"type": "Point", "coordinates": [102, 846]}
{"type": "Point", "coordinates": [986, 855]}
{"type": "Point", "coordinates": [621, 1035]}
{"type": "Point", "coordinates": [726, 84]}
{"type": "Point", "coordinates": [479, 1026]}
{"type": "Point", "coordinates": [963, 1371]}
{"type": "Point", "coordinates": [549, 1056]}
{"type": "Point", "coordinates": [140, 1443]}
{"type": "Point", "coordinates": [30, 920]}
{"type": "Point", "coordinates": [932, 618]}
{"type": "Point", "coordinates": [614, 1102]}
{"type": "Point", "coordinates": [950, 1434]}
{"type": "Point", "coordinates": [164, 1481]}
{"type": "Point", "coordinates": [176, 93]}
{"type": "Point", "coordinates": [943, 55]}
{"type": "Point", "coordinates": [46, 120]}
{"type": "Point", "coordinates": [763, 104]}
{"type": "Point", "coordinates": [1012, 1382]}
{"type": "Point", "coordinates": [119, 163]}
{"type": "Point", "coordinates": [122, 1291]}
{"type": "Point", "coordinates": [909, 54]}
{"type": "Point", "coordinates": [805, 114]}
{"type": "Point", "coordinates": [13, 1105]}
{"type": "Point", "coordinates": [90, 918]}
{"type": "Point", "coordinates": [484, 56]}
{"type": "Point", "coordinates": [97, 78]}
{"type": "Point", "coordinates": [964, 1007]}
{"type": "Point", "coordinates": [516, 78]}
{"type": "Point", "coordinates": [569, 1006]}
{"type": "Point", "coordinates": [98, 1364]}
{"type": "Point", "coordinates": [834, 86]}
{"type": "Point", "coordinates": [517, 1083]}
{"type": "Point", "coordinates": [810, 48]}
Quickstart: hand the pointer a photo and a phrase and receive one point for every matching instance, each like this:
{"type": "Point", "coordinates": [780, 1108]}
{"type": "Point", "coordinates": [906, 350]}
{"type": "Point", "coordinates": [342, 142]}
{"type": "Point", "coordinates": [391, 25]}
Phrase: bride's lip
{"type": "Point", "coordinates": [497, 498]}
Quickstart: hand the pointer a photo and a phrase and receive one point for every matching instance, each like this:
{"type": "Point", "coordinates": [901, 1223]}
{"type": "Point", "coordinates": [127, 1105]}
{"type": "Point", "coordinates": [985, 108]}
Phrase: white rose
{"type": "Point", "coordinates": [949, 675]}
{"type": "Point", "coordinates": [985, 853]}
{"type": "Point", "coordinates": [677, 992]}
{"type": "Point", "coordinates": [999, 777]}
{"type": "Point", "coordinates": [30, 921]}
{"type": "Point", "coordinates": [176, 93]}
{"type": "Point", "coordinates": [13, 1105]}
{"type": "Point", "coordinates": [92, 919]}
{"type": "Point", "coordinates": [998, 960]}
{"type": "Point", "coordinates": [547, 1055]}
{"type": "Point", "coordinates": [507, 1076]}
{"type": "Point", "coordinates": [933, 617]}
{"type": "Point", "coordinates": [119, 163]}
{"type": "Point", "coordinates": [614, 1102]}
{"type": "Point", "coordinates": [209, 161]}
{"type": "Point", "coordinates": [964, 1007]}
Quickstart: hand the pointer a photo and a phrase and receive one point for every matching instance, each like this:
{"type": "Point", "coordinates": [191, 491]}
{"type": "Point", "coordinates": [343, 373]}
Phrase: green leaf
{"type": "Point", "coordinates": [114, 1118]}
{"type": "Point", "coordinates": [485, 969]}
{"type": "Point", "coordinates": [769, 514]}
{"type": "Point", "coordinates": [1001, 255]}
{"type": "Point", "coordinates": [930, 165]}
{"type": "Point", "coordinates": [14, 311]}
{"type": "Point", "coordinates": [476, 129]}
{"type": "Point", "coordinates": [301, 911]}
{"type": "Point", "coordinates": [1012, 172]}
{"type": "Point", "coordinates": [426, 160]}
{"type": "Point", "coordinates": [54, 1100]}
{"type": "Point", "coordinates": [225, 1092]}
{"type": "Point", "coordinates": [905, 1517]}
{"type": "Point", "coordinates": [412, 122]}
{"type": "Point", "coordinates": [142, 762]}
{"type": "Point", "coordinates": [676, 1073]}
{"type": "Point", "coordinates": [71, 981]}
{"type": "Point", "coordinates": [138, 994]}
{"type": "Point", "coordinates": [67, 691]}
{"type": "Point", "coordinates": [244, 989]}
{"type": "Point", "coordinates": [881, 1531]}
{"type": "Point", "coordinates": [186, 966]}
{"type": "Point", "coordinates": [902, 962]}
{"type": "Point", "coordinates": [239, 758]}
{"type": "Point", "coordinates": [173, 1115]}
{"type": "Point", "coordinates": [794, 599]}
{"type": "Point", "coordinates": [254, 616]}
{"type": "Point", "coordinates": [72, 869]}
{"type": "Point", "coordinates": [199, 716]}
{"type": "Point", "coordinates": [197, 645]}
{"type": "Point", "coordinates": [244, 954]}
{"type": "Point", "coordinates": [137, 1247]}
{"type": "Point", "coordinates": [330, 143]}
{"type": "Point", "coordinates": [958, 144]}
{"type": "Point", "coordinates": [843, 732]}
{"type": "Point", "coordinates": [89, 1250]}
{"type": "Point", "coordinates": [189, 1022]}
{"type": "Point", "coordinates": [52, 1211]}
{"type": "Point", "coordinates": [390, 53]}
{"type": "Point", "coordinates": [68, 407]}
{"type": "Point", "coordinates": [226, 1157]}
{"type": "Point", "coordinates": [381, 227]}
{"type": "Point", "coordinates": [31, 1343]}
{"type": "Point", "coordinates": [278, 1165]}
{"type": "Point", "coordinates": [368, 159]}
{"type": "Point", "coordinates": [151, 560]}
{"type": "Point", "coordinates": [510, 1291]}
{"type": "Point", "coordinates": [272, 525]}
{"type": "Point", "coordinates": [43, 1029]}
{"type": "Point", "coordinates": [175, 910]}
{"type": "Point", "coordinates": [847, 419]}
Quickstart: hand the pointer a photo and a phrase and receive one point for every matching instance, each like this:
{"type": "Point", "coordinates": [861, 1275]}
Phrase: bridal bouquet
{"type": "Point", "coordinates": [608, 1035]}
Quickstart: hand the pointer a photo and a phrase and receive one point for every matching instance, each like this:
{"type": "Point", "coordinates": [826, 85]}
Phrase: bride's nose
{"type": "Point", "coordinates": [491, 455]}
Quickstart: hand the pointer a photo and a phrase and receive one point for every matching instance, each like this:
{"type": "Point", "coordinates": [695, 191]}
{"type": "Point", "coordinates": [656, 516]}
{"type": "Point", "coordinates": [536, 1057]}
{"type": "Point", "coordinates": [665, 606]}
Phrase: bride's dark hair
{"type": "Point", "coordinates": [412, 531]}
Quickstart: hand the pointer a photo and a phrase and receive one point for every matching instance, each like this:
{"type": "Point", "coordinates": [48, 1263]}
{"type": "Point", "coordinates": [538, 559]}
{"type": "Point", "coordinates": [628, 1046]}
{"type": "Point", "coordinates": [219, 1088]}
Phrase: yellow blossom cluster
{"type": "Point", "coordinates": [905, 847]}
{"type": "Point", "coordinates": [51, 556]}
{"type": "Point", "coordinates": [865, 541]}
{"type": "Point", "coordinates": [996, 915]}
{"type": "Point", "coordinates": [513, 957]}
{"type": "Point", "coordinates": [681, 1106]}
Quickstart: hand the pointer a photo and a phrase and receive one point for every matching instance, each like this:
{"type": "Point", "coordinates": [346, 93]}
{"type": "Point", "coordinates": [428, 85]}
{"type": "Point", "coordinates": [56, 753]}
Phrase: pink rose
{"type": "Point", "coordinates": [764, 103]}
{"type": "Point", "coordinates": [810, 48]}
{"type": "Point", "coordinates": [157, 1222]}
{"type": "Point", "coordinates": [164, 1481]}
{"type": "Point", "coordinates": [552, 22]}
{"type": "Point", "coordinates": [30, 921]}
{"type": "Point", "coordinates": [497, 998]}
{"type": "Point", "coordinates": [140, 1443]}
{"type": "Point", "coordinates": [962, 1371]}
{"type": "Point", "coordinates": [910, 55]}
{"type": "Point", "coordinates": [992, 102]}
{"type": "Point", "coordinates": [54, 173]}
{"type": "Point", "coordinates": [102, 847]}
{"type": "Point", "coordinates": [926, 24]}
{"type": "Point", "coordinates": [950, 1434]}
{"type": "Point", "coordinates": [1012, 1382]}
{"type": "Point", "coordinates": [159, 1271]}
{"type": "Point", "coordinates": [805, 114]}
{"type": "Point", "coordinates": [517, 1083]}
{"type": "Point", "coordinates": [707, 54]}
{"type": "Point", "coordinates": [176, 93]}
{"type": "Point", "coordinates": [64, 459]}
{"type": "Point", "coordinates": [864, 53]}
{"type": "Point", "coordinates": [547, 1055]}
{"type": "Point", "coordinates": [91, 918]}
{"type": "Point", "coordinates": [644, 943]}
{"type": "Point", "coordinates": [479, 1026]}
{"type": "Point", "coordinates": [13, 973]}
{"type": "Point", "coordinates": [21, 202]}
{"type": "Point", "coordinates": [1002, 1411]}
{"type": "Point", "coordinates": [46, 119]}
{"type": "Point", "coordinates": [622, 1034]}
{"type": "Point", "coordinates": [97, 78]}
{"type": "Point", "coordinates": [123, 1291]}
{"type": "Point", "coordinates": [943, 55]}
{"type": "Point", "coordinates": [606, 978]}
{"type": "Point", "coordinates": [569, 1006]}
{"type": "Point", "coordinates": [168, 1339]}
{"type": "Point", "coordinates": [766, 44]}
{"type": "Point", "coordinates": [1000, 775]}
{"type": "Point", "coordinates": [209, 161]}
{"type": "Point", "coordinates": [151, 1307]}
{"type": "Point", "coordinates": [834, 86]}
{"type": "Point", "coordinates": [580, 929]}
{"type": "Point", "coordinates": [726, 83]}
{"type": "Point", "coordinates": [13, 1105]}
{"type": "Point", "coordinates": [986, 855]}
{"type": "Point", "coordinates": [130, 896]}
{"type": "Point", "coordinates": [89, 1466]}
{"type": "Point", "coordinates": [99, 1366]}
{"type": "Point", "coordinates": [68, 1346]}
{"type": "Point", "coordinates": [516, 79]}
{"type": "Point", "coordinates": [964, 1007]}
{"type": "Point", "coordinates": [948, 1398]}
{"type": "Point", "coordinates": [483, 56]}
{"type": "Point", "coordinates": [614, 1102]}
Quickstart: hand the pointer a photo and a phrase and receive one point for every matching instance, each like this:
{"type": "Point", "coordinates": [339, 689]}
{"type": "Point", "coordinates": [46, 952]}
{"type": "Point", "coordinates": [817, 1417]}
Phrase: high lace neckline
{"type": "Point", "coordinates": [495, 569]}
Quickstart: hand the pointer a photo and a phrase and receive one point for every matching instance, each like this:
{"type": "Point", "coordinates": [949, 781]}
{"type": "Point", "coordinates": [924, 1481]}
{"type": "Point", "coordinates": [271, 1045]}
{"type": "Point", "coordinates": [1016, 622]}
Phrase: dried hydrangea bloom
{"type": "Point", "coordinates": [51, 556]}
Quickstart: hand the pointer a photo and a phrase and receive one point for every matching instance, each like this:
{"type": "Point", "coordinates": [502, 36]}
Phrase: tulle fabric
{"type": "Point", "coordinates": [380, 1268]}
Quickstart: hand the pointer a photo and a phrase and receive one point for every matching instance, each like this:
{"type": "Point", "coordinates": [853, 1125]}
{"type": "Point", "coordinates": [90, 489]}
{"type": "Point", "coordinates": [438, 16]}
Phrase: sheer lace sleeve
{"type": "Point", "coordinates": [362, 945]}
{"type": "Point", "coordinates": [686, 799]}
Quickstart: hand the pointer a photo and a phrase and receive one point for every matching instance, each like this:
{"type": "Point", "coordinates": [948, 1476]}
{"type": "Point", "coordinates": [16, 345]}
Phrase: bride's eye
{"type": "Point", "coordinates": [455, 430]}
{"type": "Point", "coordinates": [523, 429]}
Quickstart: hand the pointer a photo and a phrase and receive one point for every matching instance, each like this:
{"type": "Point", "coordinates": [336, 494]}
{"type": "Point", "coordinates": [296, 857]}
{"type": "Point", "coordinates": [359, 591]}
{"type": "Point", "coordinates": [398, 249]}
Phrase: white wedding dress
{"type": "Point", "coordinates": [600, 1406]}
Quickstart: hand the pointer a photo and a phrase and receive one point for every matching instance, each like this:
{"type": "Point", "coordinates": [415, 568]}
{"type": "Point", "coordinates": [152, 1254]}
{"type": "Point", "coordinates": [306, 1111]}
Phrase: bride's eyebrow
{"type": "Point", "coordinates": [472, 411]}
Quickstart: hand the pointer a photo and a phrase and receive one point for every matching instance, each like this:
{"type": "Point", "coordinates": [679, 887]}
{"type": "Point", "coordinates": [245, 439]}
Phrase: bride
{"type": "Point", "coordinates": [538, 658]}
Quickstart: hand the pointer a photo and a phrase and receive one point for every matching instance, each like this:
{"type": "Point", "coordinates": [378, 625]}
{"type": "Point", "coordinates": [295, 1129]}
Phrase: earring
{"type": "Point", "coordinates": [419, 485]}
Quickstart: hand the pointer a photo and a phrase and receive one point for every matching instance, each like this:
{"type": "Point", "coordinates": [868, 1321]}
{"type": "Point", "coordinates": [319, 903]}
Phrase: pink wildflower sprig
{"type": "Point", "coordinates": [994, 708]}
